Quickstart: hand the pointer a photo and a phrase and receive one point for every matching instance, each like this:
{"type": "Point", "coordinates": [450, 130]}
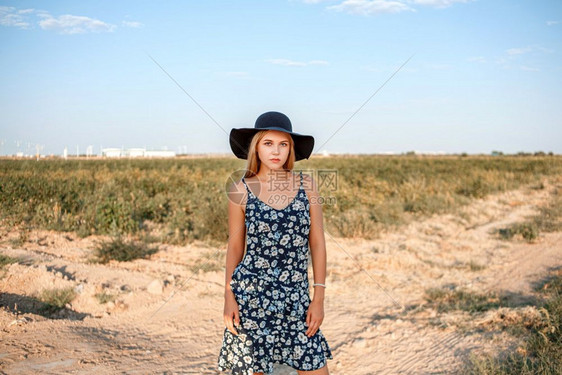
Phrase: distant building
{"type": "Point", "coordinates": [111, 152]}
{"type": "Point", "coordinates": [136, 153]}
{"type": "Point", "coordinates": [160, 154]}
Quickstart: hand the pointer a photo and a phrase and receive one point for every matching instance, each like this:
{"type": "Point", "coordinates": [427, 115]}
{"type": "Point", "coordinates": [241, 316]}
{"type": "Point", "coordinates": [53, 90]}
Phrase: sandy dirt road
{"type": "Point", "coordinates": [168, 320]}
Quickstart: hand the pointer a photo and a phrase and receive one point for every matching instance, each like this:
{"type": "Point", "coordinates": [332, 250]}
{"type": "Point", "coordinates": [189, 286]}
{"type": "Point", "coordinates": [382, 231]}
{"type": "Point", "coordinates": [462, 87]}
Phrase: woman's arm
{"type": "Point", "coordinates": [317, 243]}
{"type": "Point", "coordinates": [234, 252]}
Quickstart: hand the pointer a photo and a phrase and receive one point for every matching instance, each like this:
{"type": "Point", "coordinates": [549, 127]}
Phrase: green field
{"type": "Point", "coordinates": [180, 200]}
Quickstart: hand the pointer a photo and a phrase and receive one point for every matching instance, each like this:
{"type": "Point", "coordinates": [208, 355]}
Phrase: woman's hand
{"type": "Point", "coordinates": [231, 313]}
{"type": "Point", "coordinates": [314, 316]}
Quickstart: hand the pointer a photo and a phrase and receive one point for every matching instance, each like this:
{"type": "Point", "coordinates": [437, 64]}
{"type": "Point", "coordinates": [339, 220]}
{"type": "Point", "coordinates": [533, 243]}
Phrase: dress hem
{"type": "Point", "coordinates": [284, 364]}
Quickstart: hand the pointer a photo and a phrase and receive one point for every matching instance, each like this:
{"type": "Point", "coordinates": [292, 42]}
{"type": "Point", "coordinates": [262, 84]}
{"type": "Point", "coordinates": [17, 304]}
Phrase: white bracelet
{"type": "Point", "coordinates": [317, 284]}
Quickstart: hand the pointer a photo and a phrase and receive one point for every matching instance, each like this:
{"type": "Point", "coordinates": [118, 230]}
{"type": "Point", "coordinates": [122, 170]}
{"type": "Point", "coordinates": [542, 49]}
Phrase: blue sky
{"type": "Point", "coordinates": [484, 75]}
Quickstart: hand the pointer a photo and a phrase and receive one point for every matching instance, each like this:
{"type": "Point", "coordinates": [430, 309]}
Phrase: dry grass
{"type": "Point", "coordinates": [105, 297]}
{"type": "Point", "coordinates": [183, 200]}
{"type": "Point", "coordinates": [549, 219]}
{"type": "Point", "coordinates": [122, 250]}
{"type": "Point", "coordinates": [541, 329]}
{"type": "Point", "coordinates": [448, 299]}
{"type": "Point", "coordinates": [55, 299]}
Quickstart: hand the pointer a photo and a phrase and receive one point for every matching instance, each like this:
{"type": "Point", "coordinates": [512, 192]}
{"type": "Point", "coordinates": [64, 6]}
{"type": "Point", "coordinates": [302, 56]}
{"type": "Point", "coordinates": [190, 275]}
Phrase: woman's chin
{"type": "Point", "coordinates": [278, 165]}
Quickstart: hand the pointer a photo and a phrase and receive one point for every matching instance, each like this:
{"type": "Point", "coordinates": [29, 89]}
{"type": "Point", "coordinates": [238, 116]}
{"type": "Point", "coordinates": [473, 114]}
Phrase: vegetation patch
{"type": "Point", "coordinates": [183, 200]}
{"type": "Point", "coordinates": [122, 250]}
{"type": "Point", "coordinates": [6, 260]}
{"type": "Point", "coordinates": [528, 231]}
{"type": "Point", "coordinates": [475, 266]}
{"type": "Point", "coordinates": [549, 219]}
{"type": "Point", "coordinates": [105, 297]}
{"type": "Point", "coordinates": [55, 299]}
{"type": "Point", "coordinates": [541, 351]}
{"type": "Point", "coordinates": [446, 299]}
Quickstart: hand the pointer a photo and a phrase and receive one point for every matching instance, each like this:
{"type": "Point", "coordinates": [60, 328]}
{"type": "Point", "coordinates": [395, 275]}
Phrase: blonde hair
{"type": "Point", "coordinates": [253, 164]}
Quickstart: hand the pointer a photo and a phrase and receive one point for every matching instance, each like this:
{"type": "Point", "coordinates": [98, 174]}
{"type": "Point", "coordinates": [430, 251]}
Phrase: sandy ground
{"type": "Point", "coordinates": [168, 320]}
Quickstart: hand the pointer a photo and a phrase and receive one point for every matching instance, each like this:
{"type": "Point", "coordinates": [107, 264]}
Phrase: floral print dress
{"type": "Point", "coordinates": [270, 285]}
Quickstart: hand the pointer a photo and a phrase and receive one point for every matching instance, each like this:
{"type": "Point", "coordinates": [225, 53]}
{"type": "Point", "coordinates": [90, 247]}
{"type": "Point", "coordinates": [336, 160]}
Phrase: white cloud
{"type": "Point", "coordinates": [317, 62]}
{"type": "Point", "coordinates": [551, 23]}
{"type": "Point", "coordinates": [9, 17]}
{"type": "Point", "coordinates": [368, 7]}
{"type": "Point", "coordinates": [69, 24]}
{"type": "Point", "coordinates": [288, 62]}
{"type": "Point", "coordinates": [285, 62]}
{"type": "Point", "coordinates": [545, 50]}
{"type": "Point", "coordinates": [528, 49]}
{"type": "Point", "coordinates": [438, 3]}
{"type": "Point", "coordinates": [529, 69]}
{"type": "Point", "coordinates": [132, 24]}
{"type": "Point", "coordinates": [518, 51]}
{"type": "Point", "coordinates": [65, 24]}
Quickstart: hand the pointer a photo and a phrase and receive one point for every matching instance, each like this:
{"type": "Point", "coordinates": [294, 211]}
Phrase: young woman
{"type": "Point", "coordinates": [268, 313]}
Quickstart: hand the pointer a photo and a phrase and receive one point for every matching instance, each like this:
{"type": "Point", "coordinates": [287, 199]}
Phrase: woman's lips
{"type": "Point", "coordinates": [275, 160]}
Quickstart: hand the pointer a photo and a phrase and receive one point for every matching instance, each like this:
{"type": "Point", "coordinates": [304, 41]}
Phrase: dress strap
{"type": "Point", "coordinates": [246, 185]}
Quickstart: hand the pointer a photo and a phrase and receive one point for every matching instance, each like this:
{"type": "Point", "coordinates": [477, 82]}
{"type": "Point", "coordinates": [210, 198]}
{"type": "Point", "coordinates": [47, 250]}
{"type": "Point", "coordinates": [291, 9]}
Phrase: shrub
{"type": "Point", "coordinates": [55, 299]}
{"type": "Point", "coordinates": [541, 353]}
{"type": "Point", "coordinates": [474, 266]}
{"type": "Point", "coordinates": [445, 299]}
{"type": "Point", "coordinates": [105, 297]}
{"type": "Point", "coordinates": [6, 260]}
{"type": "Point", "coordinates": [475, 188]}
{"type": "Point", "coordinates": [548, 220]}
{"type": "Point", "coordinates": [527, 231]}
{"type": "Point", "coordinates": [122, 250]}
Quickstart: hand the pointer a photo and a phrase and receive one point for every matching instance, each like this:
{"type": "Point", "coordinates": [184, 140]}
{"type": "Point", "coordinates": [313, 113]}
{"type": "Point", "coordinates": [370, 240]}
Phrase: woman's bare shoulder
{"type": "Point", "coordinates": [237, 193]}
{"type": "Point", "coordinates": [236, 186]}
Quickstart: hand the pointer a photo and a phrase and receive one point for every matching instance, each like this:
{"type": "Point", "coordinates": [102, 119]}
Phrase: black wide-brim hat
{"type": "Point", "coordinates": [241, 138]}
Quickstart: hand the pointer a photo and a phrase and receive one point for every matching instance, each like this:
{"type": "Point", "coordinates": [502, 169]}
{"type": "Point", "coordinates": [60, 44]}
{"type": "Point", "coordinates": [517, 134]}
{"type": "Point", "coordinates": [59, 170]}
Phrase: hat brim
{"type": "Point", "coordinates": [241, 138]}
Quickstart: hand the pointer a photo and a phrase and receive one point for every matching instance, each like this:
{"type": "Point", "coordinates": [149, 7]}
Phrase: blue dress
{"type": "Point", "coordinates": [270, 285]}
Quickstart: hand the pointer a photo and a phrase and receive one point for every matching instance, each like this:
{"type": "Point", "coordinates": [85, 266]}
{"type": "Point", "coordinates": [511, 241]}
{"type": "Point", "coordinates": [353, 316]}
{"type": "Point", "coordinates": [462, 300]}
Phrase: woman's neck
{"type": "Point", "coordinates": [266, 174]}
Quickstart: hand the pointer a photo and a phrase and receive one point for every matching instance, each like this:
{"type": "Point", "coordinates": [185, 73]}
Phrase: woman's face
{"type": "Point", "coordinates": [273, 149]}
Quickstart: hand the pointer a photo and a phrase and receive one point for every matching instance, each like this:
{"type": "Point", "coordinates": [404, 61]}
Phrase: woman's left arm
{"type": "Point", "coordinates": [317, 243]}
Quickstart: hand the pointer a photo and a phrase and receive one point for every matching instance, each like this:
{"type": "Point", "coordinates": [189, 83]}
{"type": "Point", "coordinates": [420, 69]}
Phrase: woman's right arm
{"type": "Point", "coordinates": [234, 252]}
